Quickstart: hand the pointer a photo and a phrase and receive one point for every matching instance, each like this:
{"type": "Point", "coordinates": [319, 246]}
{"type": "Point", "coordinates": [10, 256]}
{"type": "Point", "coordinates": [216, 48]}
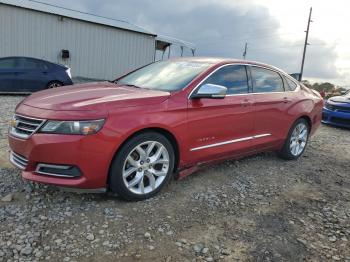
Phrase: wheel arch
{"type": "Point", "coordinates": [301, 116]}
{"type": "Point", "coordinates": [165, 132]}
{"type": "Point", "coordinates": [308, 120]}
{"type": "Point", "coordinates": [53, 81]}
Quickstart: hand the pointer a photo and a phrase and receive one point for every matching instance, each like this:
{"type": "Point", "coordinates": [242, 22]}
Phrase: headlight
{"type": "Point", "coordinates": [328, 105]}
{"type": "Point", "coordinates": [72, 127]}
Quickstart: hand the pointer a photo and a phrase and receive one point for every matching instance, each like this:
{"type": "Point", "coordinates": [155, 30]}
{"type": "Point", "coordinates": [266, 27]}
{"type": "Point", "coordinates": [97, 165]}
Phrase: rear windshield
{"type": "Point", "coordinates": [165, 75]}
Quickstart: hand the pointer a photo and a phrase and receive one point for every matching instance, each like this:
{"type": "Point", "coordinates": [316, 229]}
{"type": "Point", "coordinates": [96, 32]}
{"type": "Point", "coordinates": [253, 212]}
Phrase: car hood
{"type": "Point", "coordinates": [340, 99]}
{"type": "Point", "coordinates": [94, 96]}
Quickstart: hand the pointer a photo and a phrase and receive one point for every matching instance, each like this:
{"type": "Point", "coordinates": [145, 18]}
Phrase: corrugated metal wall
{"type": "Point", "coordinates": [97, 51]}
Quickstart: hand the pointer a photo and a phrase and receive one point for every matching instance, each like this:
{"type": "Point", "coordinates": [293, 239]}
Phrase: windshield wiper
{"type": "Point", "coordinates": [131, 85]}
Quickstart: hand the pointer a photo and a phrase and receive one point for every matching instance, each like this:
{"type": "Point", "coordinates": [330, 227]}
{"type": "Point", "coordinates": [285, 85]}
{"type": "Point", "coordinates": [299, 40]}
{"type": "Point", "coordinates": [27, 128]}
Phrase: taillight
{"type": "Point", "coordinates": [69, 73]}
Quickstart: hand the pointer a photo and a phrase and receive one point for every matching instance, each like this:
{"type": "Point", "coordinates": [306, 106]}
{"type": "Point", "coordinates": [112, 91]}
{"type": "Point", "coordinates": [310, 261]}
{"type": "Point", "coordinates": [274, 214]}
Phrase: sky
{"type": "Point", "coordinates": [273, 29]}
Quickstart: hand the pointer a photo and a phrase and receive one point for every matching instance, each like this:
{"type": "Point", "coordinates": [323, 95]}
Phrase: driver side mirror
{"type": "Point", "coordinates": [210, 91]}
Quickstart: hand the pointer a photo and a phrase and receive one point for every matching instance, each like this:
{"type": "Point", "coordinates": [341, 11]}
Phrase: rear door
{"type": "Point", "coordinates": [218, 128]}
{"type": "Point", "coordinates": [272, 103]}
{"type": "Point", "coordinates": [7, 74]}
{"type": "Point", "coordinates": [32, 75]}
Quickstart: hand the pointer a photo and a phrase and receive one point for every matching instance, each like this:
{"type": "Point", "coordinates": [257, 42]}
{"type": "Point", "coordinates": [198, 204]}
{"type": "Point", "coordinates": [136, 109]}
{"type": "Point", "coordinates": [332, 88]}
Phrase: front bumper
{"type": "Point", "coordinates": [336, 118]}
{"type": "Point", "coordinates": [90, 154]}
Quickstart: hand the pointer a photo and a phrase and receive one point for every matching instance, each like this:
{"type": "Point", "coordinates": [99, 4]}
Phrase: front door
{"type": "Point", "coordinates": [218, 128]}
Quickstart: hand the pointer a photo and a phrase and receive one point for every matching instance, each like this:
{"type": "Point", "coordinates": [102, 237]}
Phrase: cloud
{"type": "Point", "coordinates": [221, 29]}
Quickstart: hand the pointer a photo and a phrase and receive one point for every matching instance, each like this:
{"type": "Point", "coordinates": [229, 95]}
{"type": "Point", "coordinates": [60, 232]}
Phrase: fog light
{"type": "Point", "coordinates": [58, 170]}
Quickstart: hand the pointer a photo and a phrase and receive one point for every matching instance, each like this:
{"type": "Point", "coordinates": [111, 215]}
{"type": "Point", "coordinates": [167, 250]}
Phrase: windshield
{"type": "Point", "coordinates": [165, 75]}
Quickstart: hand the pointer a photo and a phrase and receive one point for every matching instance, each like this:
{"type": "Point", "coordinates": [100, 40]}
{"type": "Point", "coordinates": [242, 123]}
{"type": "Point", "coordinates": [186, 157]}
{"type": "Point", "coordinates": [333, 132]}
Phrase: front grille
{"type": "Point", "coordinates": [24, 127]}
{"type": "Point", "coordinates": [18, 160]}
{"type": "Point", "coordinates": [338, 108]}
{"type": "Point", "coordinates": [340, 120]}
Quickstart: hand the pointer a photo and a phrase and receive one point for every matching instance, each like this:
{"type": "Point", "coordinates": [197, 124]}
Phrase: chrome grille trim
{"type": "Point", "coordinates": [19, 161]}
{"type": "Point", "coordinates": [25, 126]}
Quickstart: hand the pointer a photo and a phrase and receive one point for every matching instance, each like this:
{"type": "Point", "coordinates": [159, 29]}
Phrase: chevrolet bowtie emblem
{"type": "Point", "coordinates": [13, 123]}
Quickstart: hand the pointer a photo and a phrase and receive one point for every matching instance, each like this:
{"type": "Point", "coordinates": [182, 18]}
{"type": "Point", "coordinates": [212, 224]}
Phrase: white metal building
{"type": "Point", "coordinates": [98, 47]}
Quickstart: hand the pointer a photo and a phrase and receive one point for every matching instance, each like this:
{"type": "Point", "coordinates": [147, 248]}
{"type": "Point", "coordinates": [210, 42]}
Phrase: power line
{"type": "Point", "coordinates": [252, 37]}
{"type": "Point", "coordinates": [77, 11]}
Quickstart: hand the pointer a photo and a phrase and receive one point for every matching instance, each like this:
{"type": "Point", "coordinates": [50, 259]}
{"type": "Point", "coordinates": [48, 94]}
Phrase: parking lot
{"type": "Point", "coordinates": [259, 208]}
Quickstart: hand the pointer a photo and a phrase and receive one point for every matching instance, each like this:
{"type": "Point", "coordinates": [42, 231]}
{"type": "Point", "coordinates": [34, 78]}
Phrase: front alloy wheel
{"type": "Point", "coordinates": [146, 167]}
{"type": "Point", "coordinates": [142, 166]}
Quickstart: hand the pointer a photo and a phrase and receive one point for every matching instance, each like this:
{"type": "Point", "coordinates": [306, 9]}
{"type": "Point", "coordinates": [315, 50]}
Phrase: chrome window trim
{"type": "Point", "coordinates": [230, 142]}
{"type": "Point", "coordinates": [252, 93]}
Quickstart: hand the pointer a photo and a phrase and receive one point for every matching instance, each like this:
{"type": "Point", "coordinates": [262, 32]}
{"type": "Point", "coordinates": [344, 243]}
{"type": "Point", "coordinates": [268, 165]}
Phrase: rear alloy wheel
{"type": "Point", "coordinates": [296, 141]}
{"type": "Point", "coordinates": [142, 167]}
{"type": "Point", "coordinates": [54, 84]}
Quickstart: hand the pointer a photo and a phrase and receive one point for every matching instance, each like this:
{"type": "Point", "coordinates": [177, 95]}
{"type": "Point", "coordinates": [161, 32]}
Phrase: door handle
{"type": "Point", "coordinates": [246, 102]}
{"type": "Point", "coordinates": [287, 100]}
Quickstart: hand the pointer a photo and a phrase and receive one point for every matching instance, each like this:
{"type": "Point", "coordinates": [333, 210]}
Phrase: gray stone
{"type": "Point", "coordinates": [198, 247]}
{"type": "Point", "coordinates": [205, 250]}
{"type": "Point", "coordinates": [7, 198]}
{"type": "Point", "coordinates": [90, 236]}
{"type": "Point", "coordinates": [225, 252]}
{"type": "Point", "coordinates": [332, 238]}
{"type": "Point", "coordinates": [26, 251]}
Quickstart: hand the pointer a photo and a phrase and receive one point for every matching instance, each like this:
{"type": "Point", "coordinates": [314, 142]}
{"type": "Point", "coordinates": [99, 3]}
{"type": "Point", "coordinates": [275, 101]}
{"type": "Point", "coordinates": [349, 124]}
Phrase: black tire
{"type": "Point", "coordinates": [286, 151]}
{"type": "Point", "coordinates": [116, 181]}
{"type": "Point", "coordinates": [53, 84]}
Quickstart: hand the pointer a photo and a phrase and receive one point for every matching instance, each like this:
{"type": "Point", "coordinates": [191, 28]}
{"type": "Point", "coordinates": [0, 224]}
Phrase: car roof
{"type": "Point", "coordinates": [34, 58]}
{"type": "Point", "coordinates": [223, 61]}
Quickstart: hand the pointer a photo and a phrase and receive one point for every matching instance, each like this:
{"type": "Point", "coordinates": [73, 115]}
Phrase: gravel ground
{"type": "Point", "coordinates": [259, 208]}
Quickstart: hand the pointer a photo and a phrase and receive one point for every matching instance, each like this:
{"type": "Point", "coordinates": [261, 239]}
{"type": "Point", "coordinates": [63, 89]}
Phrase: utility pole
{"type": "Point", "coordinates": [245, 50]}
{"type": "Point", "coordinates": [305, 44]}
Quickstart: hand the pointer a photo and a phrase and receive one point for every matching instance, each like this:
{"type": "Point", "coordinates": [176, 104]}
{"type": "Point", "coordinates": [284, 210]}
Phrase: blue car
{"type": "Point", "coordinates": [336, 111]}
{"type": "Point", "coordinates": [28, 75]}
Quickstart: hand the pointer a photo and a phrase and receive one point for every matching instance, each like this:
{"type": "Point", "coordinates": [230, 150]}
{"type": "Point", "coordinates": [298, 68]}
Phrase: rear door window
{"type": "Point", "coordinates": [266, 81]}
{"type": "Point", "coordinates": [233, 77]}
{"type": "Point", "coordinates": [32, 64]}
{"type": "Point", "coordinates": [7, 63]}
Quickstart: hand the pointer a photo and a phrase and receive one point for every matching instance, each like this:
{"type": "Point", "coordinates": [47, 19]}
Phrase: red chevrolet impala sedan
{"type": "Point", "coordinates": [170, 117]}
